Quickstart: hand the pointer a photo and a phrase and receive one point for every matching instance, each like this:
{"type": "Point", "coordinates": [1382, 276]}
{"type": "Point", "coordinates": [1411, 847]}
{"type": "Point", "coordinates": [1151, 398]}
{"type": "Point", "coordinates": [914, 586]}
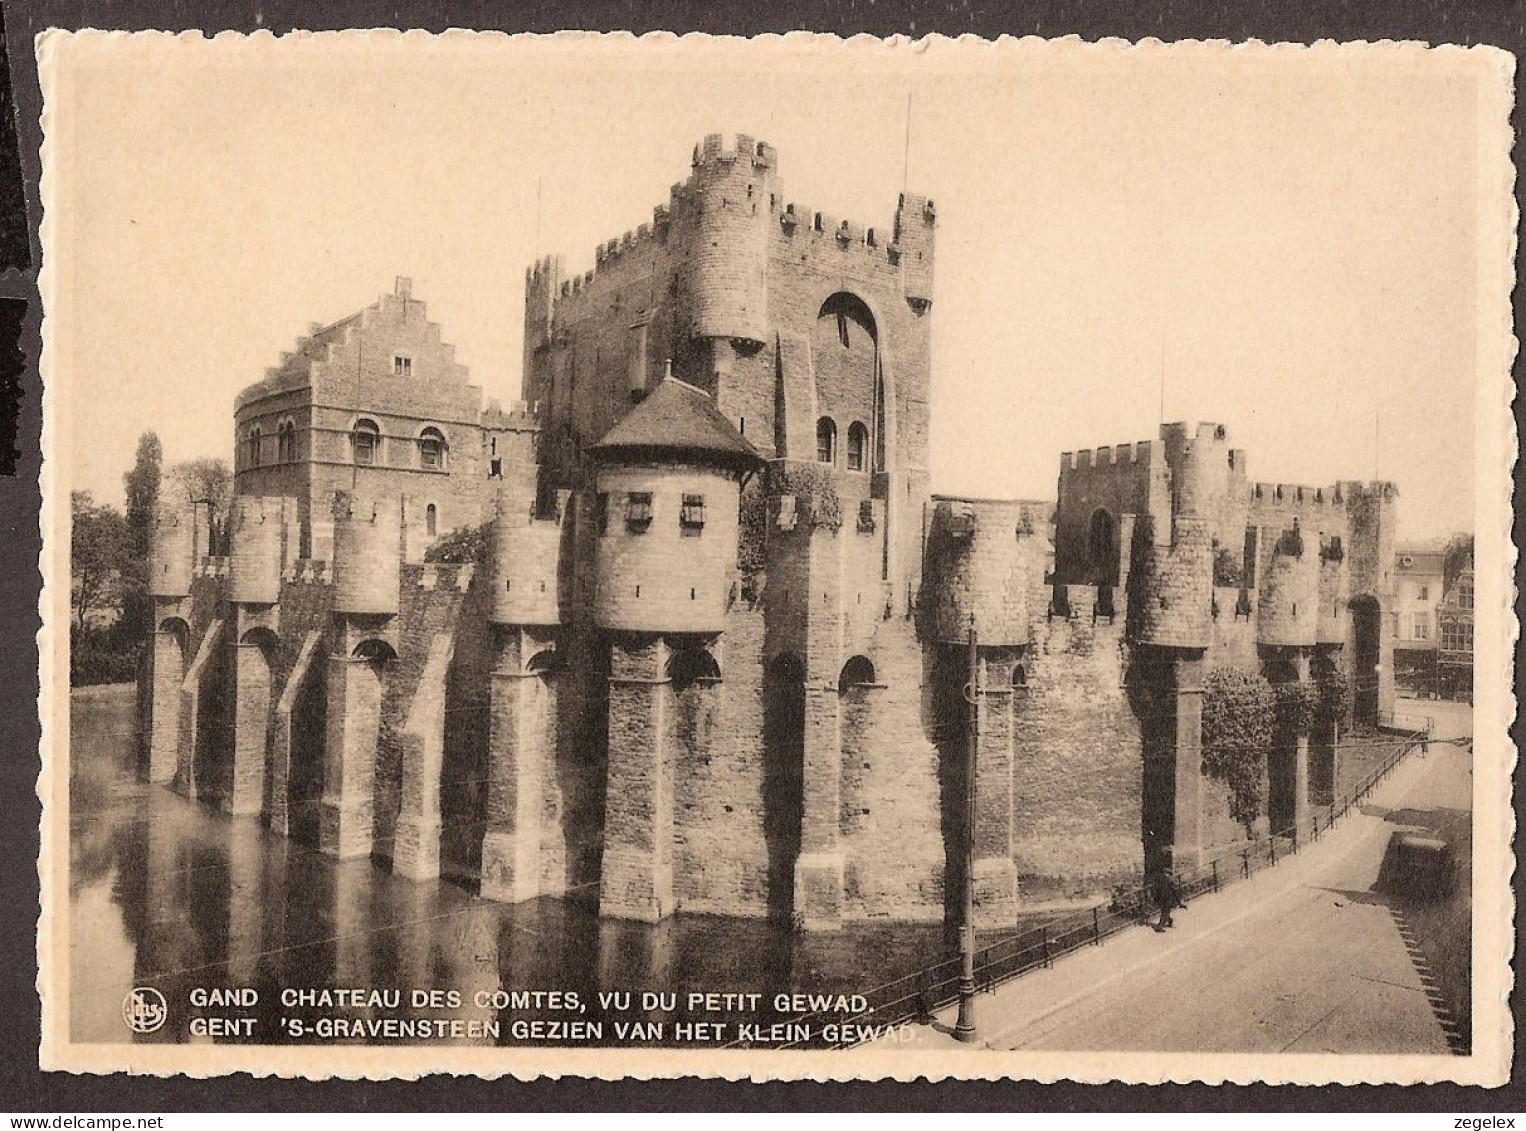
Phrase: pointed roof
{"type": "Point", "coordinates": [677, 418]}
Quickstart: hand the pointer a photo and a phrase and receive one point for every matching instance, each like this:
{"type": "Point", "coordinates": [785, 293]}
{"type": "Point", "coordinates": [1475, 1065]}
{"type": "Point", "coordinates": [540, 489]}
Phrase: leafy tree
{"type": "Point", "coordinates": [97, 551]}
{"type": "Point", "coordinates": [1457, 557]}
{"type": "Point", "coordinates": [205, 481]}
{"type": "Point", "coordinates": [464, 544]}
{"type": "Point", "coordinates": [1238, 719]}
{"type": "Point", "coordinates": [141, 487]}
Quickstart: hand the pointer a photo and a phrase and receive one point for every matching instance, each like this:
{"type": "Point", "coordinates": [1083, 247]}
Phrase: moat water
{"type": "Point", "coordinates": [173, 895]}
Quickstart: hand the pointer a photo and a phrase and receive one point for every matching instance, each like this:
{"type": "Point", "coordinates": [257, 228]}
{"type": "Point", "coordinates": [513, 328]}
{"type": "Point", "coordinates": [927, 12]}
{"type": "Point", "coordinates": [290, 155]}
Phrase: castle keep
{"type": "Point", "coordinates": [711, 656]}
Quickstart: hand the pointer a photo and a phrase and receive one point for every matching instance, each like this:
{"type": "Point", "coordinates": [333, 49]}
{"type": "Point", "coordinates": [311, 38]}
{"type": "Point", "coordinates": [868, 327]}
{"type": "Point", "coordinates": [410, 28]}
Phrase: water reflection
{"type": "Point", "coordinates": [175, 895]}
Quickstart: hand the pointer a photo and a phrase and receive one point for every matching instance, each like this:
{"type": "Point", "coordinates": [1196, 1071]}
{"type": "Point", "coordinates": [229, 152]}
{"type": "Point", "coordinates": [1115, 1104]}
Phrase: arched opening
{"type": "Point", "coordinates": [431, 520]}
{"type": "Point", "coordinates": [1019, 681]}
{"type": "Point", "coordinates": [365, 442]}
{"type": "Point", "coordinates": [690, 666]}
{"type": "Point", "coordinates": [845, 362]}
{"type": "Point", "coordinates": [1366, 651]}
{"type": "Point", "coordinates": [783, 777]}
{"type": "Point", "coordinates": [256, 434]}
{"type": "Point", "coordinates": [543, 663]}
{"type": "Point", "coordinates": [857, 672]}
{"type": "Point", "coordinates": [858, 446]}
{"type": "Point", "coordinates": [826, 440]}
{"type": "Point", "coordinates": [374, 649]}
{"type": "Point", "coordinates": [432, 449]}
{"type": "Point", "coordinates": [286, 441]}
{"type": "Point", "coordinates": [251, 720]}
{"type": "Point", "coordinates": [1102, 548]}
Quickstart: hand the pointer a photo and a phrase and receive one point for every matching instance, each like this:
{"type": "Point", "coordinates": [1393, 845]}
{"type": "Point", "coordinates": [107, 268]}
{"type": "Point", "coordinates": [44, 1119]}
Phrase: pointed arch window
{"type": "Point", "coordinates": [255, 436]}
{"type": "Point", "coordinates": [286, 441]}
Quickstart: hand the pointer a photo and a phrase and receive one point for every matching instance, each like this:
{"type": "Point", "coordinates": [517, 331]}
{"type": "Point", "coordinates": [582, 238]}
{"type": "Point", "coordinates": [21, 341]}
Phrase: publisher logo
{"type": "Point", "coordinates": [145, 1010]}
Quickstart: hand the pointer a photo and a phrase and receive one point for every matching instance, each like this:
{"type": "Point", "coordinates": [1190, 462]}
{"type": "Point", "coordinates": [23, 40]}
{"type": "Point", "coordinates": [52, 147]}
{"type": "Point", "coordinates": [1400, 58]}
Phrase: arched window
{"type": "Point", "coordinates": [1019, 681]}
{"type": "Point", "coordinates": [857, 672]}
{"type": "Point", "coordinates": [254, 446]}
{"type": "Point", "coordinates": [286, 441]}
{"type": "Point", "coordinates": [689, 666]}
{"type": "Point", "coordinates": [365, 439]}
{"type": "Point", "coordinates": [858, 445]}
{"type": "Point", "coordinates": [431, 520]}
{"type": "Point", "coordinates": [826, 440]}
{"type": "Point", "coordinates": [432, 450]}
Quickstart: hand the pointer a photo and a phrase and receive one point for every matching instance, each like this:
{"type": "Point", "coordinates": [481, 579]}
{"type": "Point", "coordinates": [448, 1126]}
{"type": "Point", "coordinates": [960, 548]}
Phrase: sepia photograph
{"type": "Point", "coordinates": [778, 558]}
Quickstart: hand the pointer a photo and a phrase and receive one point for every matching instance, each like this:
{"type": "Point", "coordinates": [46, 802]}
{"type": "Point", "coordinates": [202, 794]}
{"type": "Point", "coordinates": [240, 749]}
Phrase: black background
{"type": "Point", "coordinates": [24, 1089]}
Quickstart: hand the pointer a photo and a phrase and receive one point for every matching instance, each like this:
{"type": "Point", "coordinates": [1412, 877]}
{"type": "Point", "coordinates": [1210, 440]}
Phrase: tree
{"type": "Point", "coordinates": [1457, 557]}
{"type": "Point", "coordinates": [97, 552]}
{"type": "Point", "coordinates": [205, 481]}
{"type": "Point", "coordinates": [141, 487]}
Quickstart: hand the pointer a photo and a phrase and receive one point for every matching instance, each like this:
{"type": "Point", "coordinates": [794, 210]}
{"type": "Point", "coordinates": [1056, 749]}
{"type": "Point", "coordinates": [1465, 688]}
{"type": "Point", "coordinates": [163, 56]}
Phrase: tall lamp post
{"type": "Point", "coordinates": [964, 1029]}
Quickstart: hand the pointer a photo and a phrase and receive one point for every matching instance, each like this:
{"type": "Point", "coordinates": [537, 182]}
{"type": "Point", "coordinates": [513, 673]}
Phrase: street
{"type": "Point", "coordinates": [1305, 957]}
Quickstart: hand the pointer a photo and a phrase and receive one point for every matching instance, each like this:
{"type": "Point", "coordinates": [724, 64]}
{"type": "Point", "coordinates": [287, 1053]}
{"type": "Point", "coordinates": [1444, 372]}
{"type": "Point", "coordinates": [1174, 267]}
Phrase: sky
{"type": "Point", "coordinates": [1283, 242]}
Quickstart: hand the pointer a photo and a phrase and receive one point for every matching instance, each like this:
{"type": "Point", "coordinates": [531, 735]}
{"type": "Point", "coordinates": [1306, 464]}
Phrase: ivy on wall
{"type": "Point", "coordinates": [1332, 686]}
{"type": "Point", "coordinates": [1297, 704]}
{"type": "Point", "coordinates": [1239, 714]}
{"type": "Point", "coordinates": [815, 492]}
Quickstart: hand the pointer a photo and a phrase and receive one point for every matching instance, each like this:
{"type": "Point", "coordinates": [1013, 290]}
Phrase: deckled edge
{"type": "Point", "coordinates": [61, 1055]}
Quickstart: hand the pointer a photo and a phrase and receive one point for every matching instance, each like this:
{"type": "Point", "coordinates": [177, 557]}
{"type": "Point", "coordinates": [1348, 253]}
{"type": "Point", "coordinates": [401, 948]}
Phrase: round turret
{"type": "Point", "coordinates": [254, 567]}
{"type": "Point", "coordinates": [525, 554]}
{"type": "Point", "coordinates": [172, 554]}
{"type": "Point", "coordinates": [1288, 610]}
{"type": "Point", "coordinates": [668, 488]}
{"type": "Point", "coordinates": [667, 546]}
{"type": "Point", "coordinates": [367, 558]}
{"type": "Point", "coordinates": [982, 570]}
{"type": "Point", "coordinates": [730, 250]}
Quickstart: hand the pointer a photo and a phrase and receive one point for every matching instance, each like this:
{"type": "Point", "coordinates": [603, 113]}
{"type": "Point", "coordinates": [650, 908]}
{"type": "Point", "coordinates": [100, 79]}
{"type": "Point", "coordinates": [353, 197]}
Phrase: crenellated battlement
{"type": "Point", "coordinates": [712, 156]}
{"type": "Point", "coordinates": [1297, 496]}
{"type": "Point", "coordinates": [516, 416]}
{"type": "Point", "coordinates": [1088, 458]}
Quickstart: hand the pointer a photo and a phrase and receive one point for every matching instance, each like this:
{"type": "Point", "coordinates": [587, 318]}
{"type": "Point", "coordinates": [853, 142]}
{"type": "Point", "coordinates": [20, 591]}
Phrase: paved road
{"type": "Point", "coordinates": [1302, 958]}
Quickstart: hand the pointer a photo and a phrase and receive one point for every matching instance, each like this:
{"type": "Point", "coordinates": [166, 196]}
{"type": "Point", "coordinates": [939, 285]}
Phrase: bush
{"type": "Point", "coordinates": [102, 657]}
{"type": "Point", "coordinates": [464, 544]}
{"type": "Point", "coordinates": [1239, 714]}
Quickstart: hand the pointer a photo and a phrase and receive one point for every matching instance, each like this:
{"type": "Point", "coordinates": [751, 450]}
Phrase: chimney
{"type": "Point", "coordinates": [403, 289]}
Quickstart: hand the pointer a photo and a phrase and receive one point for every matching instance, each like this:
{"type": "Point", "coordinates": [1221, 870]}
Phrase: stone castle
{"type": "Point", "coordinates": [712, 654]}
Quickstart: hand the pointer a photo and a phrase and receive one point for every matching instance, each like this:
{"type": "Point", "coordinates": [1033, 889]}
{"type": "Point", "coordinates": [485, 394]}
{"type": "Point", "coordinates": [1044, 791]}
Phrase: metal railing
{"type": "Point", "coordinates": [918, 995]}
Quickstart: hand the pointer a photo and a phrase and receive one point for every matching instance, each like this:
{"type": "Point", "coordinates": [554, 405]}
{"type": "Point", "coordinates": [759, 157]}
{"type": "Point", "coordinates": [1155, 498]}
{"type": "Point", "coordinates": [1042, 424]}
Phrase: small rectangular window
{"type": "Point", "coordinates": [1425, 593]}
{"type": "Point", "coordinates": [402, 365]}
{"type": "Point", "coordinates": [638, 510]}
{"type": "Point", "coordinates": [692, 515]}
